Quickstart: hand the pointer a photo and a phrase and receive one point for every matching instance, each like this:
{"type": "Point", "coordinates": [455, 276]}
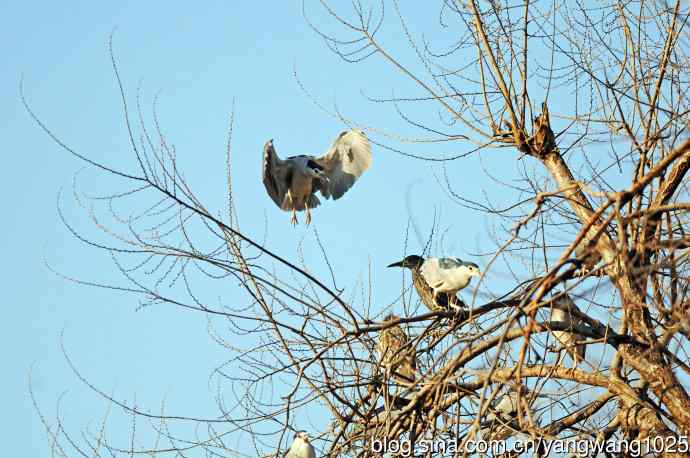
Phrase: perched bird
{"type": "Point", "coordinates": [507, 407]}
{"type": "Point", "coordinates": [292, 183]}
{"type": "Point", "coordinates": [437, 280]}
{"type": "Point", "coordinates": [587, 258]}
{"type": "Point", "coordinates": [569, 340]}
{"type": "Point", "coordinates": [503, 418]}
{"type": "Point", "coordinates": [395, 352]}
{"type": "Point", "coordinates": [301, 447]}
{"type": "Point", "coordinates": [426, 293]}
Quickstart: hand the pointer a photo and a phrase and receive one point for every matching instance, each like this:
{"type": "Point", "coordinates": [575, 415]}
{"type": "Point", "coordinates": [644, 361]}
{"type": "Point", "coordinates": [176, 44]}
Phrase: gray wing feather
{"type": "Point", "coordinates": [313, 201]}
{"type": "Point", "coordinates": [346, 161]}
{"type": "Point", "coordinates": [276, 175]}
{"type": "Point", "coordinates": [449, 263]}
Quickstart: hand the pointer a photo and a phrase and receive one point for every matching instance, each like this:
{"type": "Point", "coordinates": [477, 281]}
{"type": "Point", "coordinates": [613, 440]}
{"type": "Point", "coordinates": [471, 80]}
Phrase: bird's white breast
{"type": "Point", "coordinates": [445, 280]}
{"type": "Point", "coordinates": [301, 449]}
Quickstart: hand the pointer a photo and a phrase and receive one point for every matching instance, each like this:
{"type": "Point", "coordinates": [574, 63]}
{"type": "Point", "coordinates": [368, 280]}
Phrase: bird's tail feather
{"type": "Point", "coordinates": [313, 201]}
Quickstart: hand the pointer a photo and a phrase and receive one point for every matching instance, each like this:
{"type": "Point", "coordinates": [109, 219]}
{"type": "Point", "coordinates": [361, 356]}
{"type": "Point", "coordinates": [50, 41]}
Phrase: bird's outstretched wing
{"type": "Point", "coordinates": [347, 159]}
{"type": "Point", "coordinates": [276, 175]}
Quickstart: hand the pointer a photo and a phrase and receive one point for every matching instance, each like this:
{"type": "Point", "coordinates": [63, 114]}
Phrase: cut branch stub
{"type": "Point", "coordinates": [539, 145]}
{"type": "Point", "coordinates": [543, 140]}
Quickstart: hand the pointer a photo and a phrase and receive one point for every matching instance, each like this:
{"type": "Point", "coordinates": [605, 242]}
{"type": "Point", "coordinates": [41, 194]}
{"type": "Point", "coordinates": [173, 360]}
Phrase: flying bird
{"type": "Point", "coordinates": [577, 351]}
{"type": "Point", "coordinates": [301, 447]}
{"type": "Point", "coordinates": [292, 183]}
{"type": "Point", "coordinates": [395, 352]}
{"type": "Point", "coordinates": [437, 280]}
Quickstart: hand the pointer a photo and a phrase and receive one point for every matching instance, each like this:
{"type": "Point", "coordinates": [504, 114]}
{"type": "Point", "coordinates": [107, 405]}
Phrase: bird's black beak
{"type": "Point", "coordinates": [397, 264]}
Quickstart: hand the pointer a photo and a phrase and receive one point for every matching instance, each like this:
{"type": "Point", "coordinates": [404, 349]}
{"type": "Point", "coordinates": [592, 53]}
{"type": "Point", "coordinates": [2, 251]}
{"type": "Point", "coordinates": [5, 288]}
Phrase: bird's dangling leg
{"type": "Point", "coordinates": [306, 206]}
{"type": "Point", "coordinates": [288, 198]}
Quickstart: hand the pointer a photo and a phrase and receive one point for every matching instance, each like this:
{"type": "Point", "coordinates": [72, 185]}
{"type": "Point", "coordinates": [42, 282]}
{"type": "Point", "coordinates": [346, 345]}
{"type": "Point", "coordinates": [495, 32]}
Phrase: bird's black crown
{"type": "Point", "coordinates": [412, 261]}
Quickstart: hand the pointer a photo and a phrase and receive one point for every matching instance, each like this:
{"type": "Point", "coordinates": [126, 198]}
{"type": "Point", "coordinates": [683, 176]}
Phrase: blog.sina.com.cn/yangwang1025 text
{"type": "Point", "coordinates": [578, 447]}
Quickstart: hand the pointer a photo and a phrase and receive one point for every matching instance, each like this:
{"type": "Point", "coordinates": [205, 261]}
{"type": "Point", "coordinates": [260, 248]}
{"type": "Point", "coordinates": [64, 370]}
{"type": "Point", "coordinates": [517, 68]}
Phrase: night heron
{"type": "Point", "coordinates": [437, 280]}
{"type": "Point", "coordinates": [396, 354]}
{"type": "Point", "coordinates": [508, 406]}
{"type": "Point", "coordinates": [292, 183]}
{"type": "Point", "coordinates": [503, 417]}
{"type": "Point", "coordinates": [301, 447]}
{"type": "Point", "coordinates": [568, 339]}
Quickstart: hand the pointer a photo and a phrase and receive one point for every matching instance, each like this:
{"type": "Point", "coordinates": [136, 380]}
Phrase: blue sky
{"type": "Point", "coordinates": [201, 59]}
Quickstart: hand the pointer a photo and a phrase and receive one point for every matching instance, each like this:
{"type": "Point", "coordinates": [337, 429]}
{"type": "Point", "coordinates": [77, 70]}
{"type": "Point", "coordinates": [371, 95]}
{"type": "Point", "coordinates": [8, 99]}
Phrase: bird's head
{"type": "Point", "coordinates": [269, 145]}
{"type": "Point", "coordinates": [391, 317]}
{"type": "Point", "coordinates": [303, 435]}
{"type": "Point", "coordinates": [411, 262]}
{"type": "Point", "coordinates": [470, 268]}
{"type": "Point", "coordinates": [316, 171]}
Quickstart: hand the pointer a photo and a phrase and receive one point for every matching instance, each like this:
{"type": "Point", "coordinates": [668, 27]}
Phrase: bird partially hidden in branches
{"type": "Point", "coordinates": [396, 354]}
{"type": "Point", "coordinates": [562, 312]}
{"type": "Point", "coordinates": [503, 419]}
{"type": "Point", "coordinates": [437, 280]}
{"type": "Point", "coordinates": [292, 183]}
{"type": "Point", "coordinates": [301, 447]}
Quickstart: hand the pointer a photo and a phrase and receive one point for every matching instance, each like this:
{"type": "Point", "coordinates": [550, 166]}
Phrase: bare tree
{"type": "Point", "coordinates": [589, 100]}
